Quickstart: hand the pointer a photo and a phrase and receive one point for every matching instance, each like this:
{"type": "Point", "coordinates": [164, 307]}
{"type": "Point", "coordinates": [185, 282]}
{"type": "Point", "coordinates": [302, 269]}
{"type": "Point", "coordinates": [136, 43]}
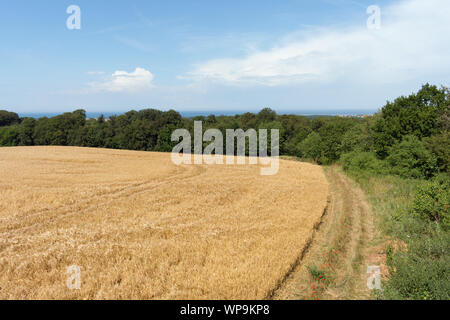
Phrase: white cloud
{"type": "Point", "coordinates": [122, 81]}
{"type": "Point", "coordinates": [412, 44]}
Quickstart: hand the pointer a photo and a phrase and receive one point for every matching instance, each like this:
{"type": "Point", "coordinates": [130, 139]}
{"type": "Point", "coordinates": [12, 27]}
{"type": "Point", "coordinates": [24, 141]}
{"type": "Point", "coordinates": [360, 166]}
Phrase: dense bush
{"type": "Point", "coordinates": [9, 136]}
{"type": "Point", "coordinates": [332, 133]}
{"type": "Point", "coordinates": [311, 147]}
{"type": "Point", "coordinates": [432, 201]}
{"type": "Point", "coordinates": [26, 131]}
{"type": "Point", "coordinates": [419, 269]}
{"type": "Point", "coordinates": [421, 272]}
{"type": "Point", "coordinates": [410, 159]}
{"type": "Point", "coordinates": [357, 138]}
{"type": "Point", "coordinates": [8, 118]}
{"type": "Point", "coordinates": [362, 161]}
{"type": "Point", "coordinates": [439, 146]}
{"type": "Point", "coordinates": [418, 254]}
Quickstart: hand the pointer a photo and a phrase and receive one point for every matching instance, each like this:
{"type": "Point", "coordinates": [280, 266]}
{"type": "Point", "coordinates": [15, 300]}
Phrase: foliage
{"type": "Point", "coordinates": [311, 147]}
{"type": "Point", "coordinates": [432, 201]}
{"type": "Point", "coordinates": [417, 114]}
{"type": "Point", "coordinates": [332, 133]}
{"type": "Point", "coordinates": [316, 273]}
{"type": "Point", "coordinates": [26, 130]}
{"type": "Point", "coordinates": [266, 115]}
{"type": "Point", "coordinates": [9, 136]}
{"type": "Point", "coordinates": [8, 118]}
{"type": "Point", "coordinates": [419, 257]}
{"type": "Point", "coordinates": [391, 154]}
{"type": "Point", "coordinates": [410, 159]}
{"type": "Point", "coordinates": [357, 138]}
{"type": "Point", "coordinates": [419, 271]}
{"type": "Point", "coordinates": [439, 146]}
{"type": "Point", "coordinates": [362, 161]}
{"type": "Point", "coordinates": [411, 133]}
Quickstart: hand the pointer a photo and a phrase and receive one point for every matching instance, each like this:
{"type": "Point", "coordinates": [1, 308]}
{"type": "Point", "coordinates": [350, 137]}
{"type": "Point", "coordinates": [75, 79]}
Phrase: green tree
{"type": "Point", "coordinates": [418, 114]}
{"type": "Point", "coordinates": [311, 147]}
{"type": "Point", "coordinates": [165, 143]}
{"type": "Point", "coordinates": [332, 133]}
{"type": "Point", "coordinates": [266, 115]}
{"type": "Point", "coordinates": [410, 159]}
{"type": "Point", "coordinates": [248, 120]}
{"type": "Point", "coordinates": [211, 119]}
{"type": "Point", "coordinates": [8, 118]}
{"type": "Point", "coordinates": [26, 130]}
{"type": "Point", "coordinates": [439, 146]}
{"type": "Point", "coordinates": [357, 138]}
{"type": "Point", "coordinates": [171, 117]}
{"type": "Point", "coordinates": [269, 126]}
{"type": "Point", "coordinates": [9, 136]}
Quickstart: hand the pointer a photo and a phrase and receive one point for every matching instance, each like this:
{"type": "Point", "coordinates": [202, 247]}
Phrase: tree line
{"type": "Point", "coordinates": [405, 147]}
{"type": "Point", "coordinates": [408, 137]}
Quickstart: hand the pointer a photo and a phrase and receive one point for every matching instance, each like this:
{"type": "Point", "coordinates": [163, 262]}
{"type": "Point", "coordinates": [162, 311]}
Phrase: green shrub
{"type": "Point", "coordinates": [9, 136]}
{"type": "Point", "coordinates": [357, 138]}
{"type": "Point", "coordinates": [420, 270]}
{"type": "Point", "coordinates": [419, 259]}
{"type": "Point", "coordinates": [410, 159]}
{"type": "Point", "coordinates": [311, 147]}
{"type": "Point", "coordinates": [439, 146]}
{"type": "Point", "coordinates": [418, 278]}
{"type": "Point", "coordinates": [318, 274]}
{"type": "Point", "coordinates": [362, 161]}
{"type": "Point", "coordinates": [432, 202]}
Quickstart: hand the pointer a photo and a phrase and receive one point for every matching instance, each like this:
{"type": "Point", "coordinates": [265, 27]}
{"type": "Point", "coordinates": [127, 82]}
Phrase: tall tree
{"type": "Point", "coordinates": [8, 118]}
{"type": "Point", "coordinates": [418, 114]}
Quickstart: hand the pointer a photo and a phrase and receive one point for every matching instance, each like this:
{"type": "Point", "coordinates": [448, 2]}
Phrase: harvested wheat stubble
{"type": "Point", "coordinates": [140, 227]}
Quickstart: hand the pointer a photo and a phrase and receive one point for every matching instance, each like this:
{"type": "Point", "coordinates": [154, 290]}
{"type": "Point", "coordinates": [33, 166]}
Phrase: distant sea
{"type": "Point", "coordinates": [190, 114]}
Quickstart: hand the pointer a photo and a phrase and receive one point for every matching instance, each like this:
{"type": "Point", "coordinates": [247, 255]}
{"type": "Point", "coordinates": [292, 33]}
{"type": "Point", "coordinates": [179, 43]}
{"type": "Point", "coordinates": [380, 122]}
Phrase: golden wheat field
{"type": "Point", "coordinates": [140, 227]}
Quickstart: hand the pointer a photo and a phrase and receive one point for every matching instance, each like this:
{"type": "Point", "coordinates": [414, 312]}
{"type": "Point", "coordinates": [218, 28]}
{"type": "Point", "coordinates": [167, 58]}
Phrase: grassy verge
{"type": "Point", "coordinates": [417, 250]}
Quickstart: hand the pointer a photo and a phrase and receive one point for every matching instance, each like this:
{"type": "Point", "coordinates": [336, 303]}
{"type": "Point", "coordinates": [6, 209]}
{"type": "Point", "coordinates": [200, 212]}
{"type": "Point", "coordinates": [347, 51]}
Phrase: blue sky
{"type": "Point", "coordinates": [219, 55]}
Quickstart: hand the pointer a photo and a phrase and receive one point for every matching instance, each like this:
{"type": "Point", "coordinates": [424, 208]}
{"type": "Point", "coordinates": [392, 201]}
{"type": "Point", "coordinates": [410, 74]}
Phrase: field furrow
{"type": "Point", "coordinates": [140, 227]}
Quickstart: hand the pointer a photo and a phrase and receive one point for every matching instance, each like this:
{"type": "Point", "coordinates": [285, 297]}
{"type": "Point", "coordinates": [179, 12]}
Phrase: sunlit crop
{"type": "Point", "coordinates": [140, 227]}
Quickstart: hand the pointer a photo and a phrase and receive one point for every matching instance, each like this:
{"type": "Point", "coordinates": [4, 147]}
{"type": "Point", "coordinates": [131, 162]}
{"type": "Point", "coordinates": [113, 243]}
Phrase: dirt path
{"type": "Point", "coordinates": [347, 233]}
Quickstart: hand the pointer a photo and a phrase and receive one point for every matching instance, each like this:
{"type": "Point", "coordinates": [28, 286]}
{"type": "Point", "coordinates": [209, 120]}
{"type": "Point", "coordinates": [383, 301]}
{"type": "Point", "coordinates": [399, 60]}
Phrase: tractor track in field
{"type": "Point", "coordinates": [150, 230]}
{"type": "Point", "coordinates": [297, 264]}
{"type": "Point", "coordinates": [85, 204]}
{"type": "Point", "coordinates": [348, 216]}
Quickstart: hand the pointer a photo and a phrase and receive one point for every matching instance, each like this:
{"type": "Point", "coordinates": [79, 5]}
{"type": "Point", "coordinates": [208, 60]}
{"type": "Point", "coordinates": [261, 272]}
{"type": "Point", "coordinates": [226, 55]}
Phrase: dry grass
{"type": "Point", "coordinates": [142, 228]}
{"type": "Point", "coordinates": [341, 249]}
